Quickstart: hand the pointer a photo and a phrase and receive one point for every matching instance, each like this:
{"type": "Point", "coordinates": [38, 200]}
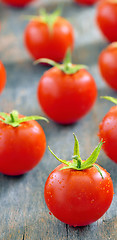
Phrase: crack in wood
{"type": "Point", "coordinates": [23, 237]}
{"type": "Point", "coordinates": [67, 230]}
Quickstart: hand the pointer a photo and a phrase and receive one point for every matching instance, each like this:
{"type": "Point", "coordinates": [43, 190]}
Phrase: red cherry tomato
{"type": "Point", "coordinates": [17, 3]}
{"type": "Point", "coordinates": [79, 192]}
{"type": "Point", "coordinates": [78, 198]}
{"type": "Point", "coordinates": [106, 17]}
{"type": "Point", "coordinates": [43, 43]}
{"type": "Point", "coordinates": [2, 77]}
{"type": "Point", "coordinates": [86, 2]}
{"type": "Point", "coordinates": [65, 98]}
{"type": "Point", "coordinates": [108, 65]}
{"type": "Point", "coordinates": [108, 132]}
{"type": "Point", "coordinates": [21, 147]}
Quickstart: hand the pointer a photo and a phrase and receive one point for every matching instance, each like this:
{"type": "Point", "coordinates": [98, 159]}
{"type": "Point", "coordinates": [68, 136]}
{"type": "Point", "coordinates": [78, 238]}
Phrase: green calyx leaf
{"type": "Point", "coordinates": [111, 99]}
{"type": "Point", "coordinates": [77, 163]}
{"type": "Point", "coordinates": [67, 67]}
{"type": "Point", "coordinates": [50, 19]}
{"type": "Point", "coordinates": [44, 17]}
{"type": "Point", "coordinates": [14, 120]}
{"type": "Point", "coordinates": [76, 157]}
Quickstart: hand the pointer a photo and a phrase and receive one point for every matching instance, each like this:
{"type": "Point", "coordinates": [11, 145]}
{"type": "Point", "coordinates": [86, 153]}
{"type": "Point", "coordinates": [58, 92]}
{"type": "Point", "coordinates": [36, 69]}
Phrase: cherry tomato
{"type": "Point", "coordinates": [2, 77]}
{"type": "Point", "coordinates": [78, 198]}
{"type": "Point", "coordinates": [108, 65]}
{"type": "Point", "coordinates": [108, 132]}
{"type": "Point", "coordinates": [106, 17]}
{"type": "Point", "coordinates": [86, 2]}
{"type": "Point", "coordinates": [42, 42]}
{"type": "Point", "coordinates": [17, 3]}
{"type": "Point", "coordinates": [21, 147]}
{"type": "Point", "coordinates": [66, 98]}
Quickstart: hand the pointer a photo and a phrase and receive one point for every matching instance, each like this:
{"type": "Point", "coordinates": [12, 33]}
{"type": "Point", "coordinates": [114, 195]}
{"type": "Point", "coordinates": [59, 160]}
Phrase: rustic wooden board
{"type": "Point", "coordinates": [24, 215]}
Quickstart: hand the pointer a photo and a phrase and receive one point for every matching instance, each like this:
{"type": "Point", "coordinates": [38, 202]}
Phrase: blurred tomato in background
{"type": "Point", "coordinates": [17, 3]}
{"type": "Point", "coordinates": [86, 2]}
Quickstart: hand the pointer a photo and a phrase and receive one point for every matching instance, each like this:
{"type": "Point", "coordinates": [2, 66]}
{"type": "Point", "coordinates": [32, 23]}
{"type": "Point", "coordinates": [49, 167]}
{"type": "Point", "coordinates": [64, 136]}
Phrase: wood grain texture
{"type": "Point", "coordinates": [23, 212]}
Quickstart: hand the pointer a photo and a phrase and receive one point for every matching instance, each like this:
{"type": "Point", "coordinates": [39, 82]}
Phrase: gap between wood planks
{"type": "Point", "coordinates": [67, 230]}
{"type": "Point", "coordinates": [23, 237]}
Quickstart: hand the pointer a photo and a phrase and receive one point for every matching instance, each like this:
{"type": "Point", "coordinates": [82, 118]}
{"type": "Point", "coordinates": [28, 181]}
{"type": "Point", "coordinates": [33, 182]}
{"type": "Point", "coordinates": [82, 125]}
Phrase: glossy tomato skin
{"type": "Point", "coordinates": [43, 43]}
{"type": "Point", "coordinates": [78, 198]}
{"type": "Point", "coordinates": [86, 2]}
{"type": "Point", "coordinates": [17, 3]}
{"type": "Point", "coordinates": [21, 148]}
{"type": "Point", "coordinates": [2, 77]}
{"type": "Point", "coordinates": [106, 17]}
{"type": "Point", "coordinates": [108, 132]}
{"type": "Point", "coordinates": [66, 98]}
{"type": "Point", "coordinates": [108, 65]}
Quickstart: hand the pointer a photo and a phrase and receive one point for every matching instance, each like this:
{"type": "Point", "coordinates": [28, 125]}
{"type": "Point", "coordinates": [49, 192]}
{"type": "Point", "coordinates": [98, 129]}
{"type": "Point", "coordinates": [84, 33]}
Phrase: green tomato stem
{"type": "Point", "coordinates": [14, 120]}
{"type": "Point", "coordinates": [50, 19]}
{"type": "Point", "coordinates": [67, 67]}
{"type": "Point", "coordinates": [77, 163]}
{"type": "Point", "coordinates": [111, 99]}
{"type": "Point", "coordinates": [14, 116]}
{"type": "Point", "coordinates": [44, 17]}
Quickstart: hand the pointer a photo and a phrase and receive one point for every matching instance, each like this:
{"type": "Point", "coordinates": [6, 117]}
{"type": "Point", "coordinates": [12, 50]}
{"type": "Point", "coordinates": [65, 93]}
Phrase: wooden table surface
{"type": "Point", "coordinates": [23, 212]}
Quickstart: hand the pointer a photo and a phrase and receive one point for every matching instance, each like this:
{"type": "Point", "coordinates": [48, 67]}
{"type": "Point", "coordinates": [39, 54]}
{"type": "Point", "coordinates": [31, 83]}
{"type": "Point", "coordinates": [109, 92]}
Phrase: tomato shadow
{"type": "Point", "coordinates": [66, 125]}
{"type": "Point", "coordinates": [7, 182]}
{"type": "Point", "coordinates": [77, 228]}
{"type": "Point", "coordinates": [18, 177]}
{"type": "Point", "coordinates": [95, 230]}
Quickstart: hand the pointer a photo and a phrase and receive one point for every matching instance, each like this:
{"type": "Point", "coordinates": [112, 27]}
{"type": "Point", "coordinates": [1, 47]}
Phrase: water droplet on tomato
{"type": "Point", "coordinates": [92, 201]}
